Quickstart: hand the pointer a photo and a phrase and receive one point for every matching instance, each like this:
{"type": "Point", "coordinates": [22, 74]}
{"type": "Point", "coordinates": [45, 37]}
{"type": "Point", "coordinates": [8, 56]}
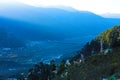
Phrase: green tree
{"type": "Point", "coordinates": [62, 67]}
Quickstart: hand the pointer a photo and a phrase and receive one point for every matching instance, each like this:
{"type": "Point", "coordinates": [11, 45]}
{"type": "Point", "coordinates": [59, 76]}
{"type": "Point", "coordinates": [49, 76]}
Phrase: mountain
{"type": "Point", "coordinates": [27, 31]}
{"type": "Point", "coordinates": [111, 15]}
{"type": "Point", "coordinates": [100, 65]}
{"type": "Point", "coordinates": [110, 39]}
{"type": "Point", "coordinates": [58, 31]}
{"type": "Point", "coordinates": [57, 23]}
{"type": "Point", "coordinates": [9, 40]}
{"type": "Point", "coordinates": [97, 67]}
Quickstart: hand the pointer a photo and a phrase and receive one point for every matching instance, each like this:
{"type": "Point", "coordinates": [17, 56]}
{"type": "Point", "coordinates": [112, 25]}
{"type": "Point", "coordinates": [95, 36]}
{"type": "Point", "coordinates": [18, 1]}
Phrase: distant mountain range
{"type": "Point", "coordinates": [52, 23]}
{"type": "Point", "coordinates": [111, 15]}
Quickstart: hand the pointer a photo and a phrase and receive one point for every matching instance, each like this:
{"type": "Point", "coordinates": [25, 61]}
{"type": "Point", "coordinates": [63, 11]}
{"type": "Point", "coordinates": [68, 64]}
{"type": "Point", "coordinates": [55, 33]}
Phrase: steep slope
{"type": "Point", "coordinates": [110, 39]}
{"type": "Point", "coordinates": [99, 65]}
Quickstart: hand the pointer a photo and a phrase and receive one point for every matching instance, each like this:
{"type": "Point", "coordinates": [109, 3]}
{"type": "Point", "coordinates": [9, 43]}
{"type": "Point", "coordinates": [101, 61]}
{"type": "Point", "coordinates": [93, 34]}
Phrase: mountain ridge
{"type": "Point", "coordinates": [62, 20]}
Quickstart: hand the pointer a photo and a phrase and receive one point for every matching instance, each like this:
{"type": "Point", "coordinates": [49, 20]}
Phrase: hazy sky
{"type": "Point", "coordinates": [96, 6]}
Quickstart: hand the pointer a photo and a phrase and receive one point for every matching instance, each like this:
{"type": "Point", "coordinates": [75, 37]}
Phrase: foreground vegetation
{"type": "Point", "coordinates": [95, 67]}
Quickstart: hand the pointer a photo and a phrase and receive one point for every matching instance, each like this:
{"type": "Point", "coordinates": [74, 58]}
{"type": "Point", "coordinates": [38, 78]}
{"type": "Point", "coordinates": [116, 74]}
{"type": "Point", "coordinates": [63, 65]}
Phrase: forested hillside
{"type": "Point", "coordinates": [108, 39]}
{"type": "Point", "coordinates": [96, 65]}
{"type": "Point", "coordinates": [88, 64]}
{"type": "Point", "coordinates": [99, 65]}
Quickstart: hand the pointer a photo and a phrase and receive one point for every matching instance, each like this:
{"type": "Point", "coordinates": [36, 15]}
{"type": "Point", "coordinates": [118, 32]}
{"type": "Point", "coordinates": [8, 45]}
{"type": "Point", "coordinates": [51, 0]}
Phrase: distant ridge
{"type": "Point", "coordinates": [54, 23]}
{"type": "Point", "coordinates": [111, 15]}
